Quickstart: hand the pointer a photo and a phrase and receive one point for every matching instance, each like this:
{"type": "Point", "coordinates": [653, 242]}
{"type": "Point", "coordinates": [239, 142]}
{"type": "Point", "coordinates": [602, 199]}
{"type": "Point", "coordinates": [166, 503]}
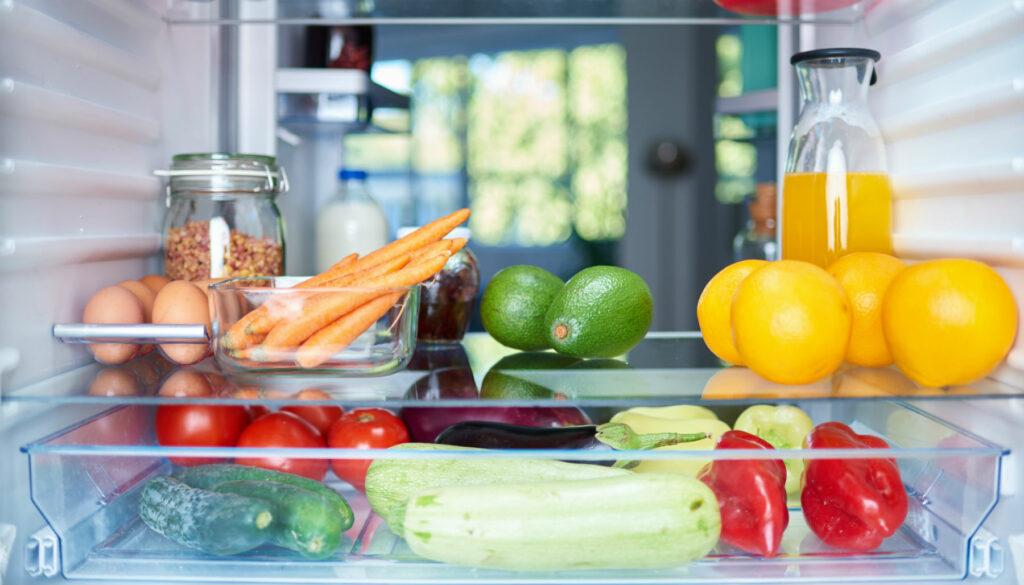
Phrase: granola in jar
{"type": "Point", "coordinates": [222, 220]}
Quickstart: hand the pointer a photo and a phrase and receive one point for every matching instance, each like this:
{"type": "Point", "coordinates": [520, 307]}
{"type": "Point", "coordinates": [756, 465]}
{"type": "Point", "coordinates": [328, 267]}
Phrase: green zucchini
{"type": "Point", "coordinates": [218, 524]}
{"type": "Point", "coordinates": [639, 521]}
{"type": "Point", "coordinates": [390, 482]}
{"type": "Point", "coordinates": [303, 520]}
{"type": "Point", "coordinates": [207, 476]}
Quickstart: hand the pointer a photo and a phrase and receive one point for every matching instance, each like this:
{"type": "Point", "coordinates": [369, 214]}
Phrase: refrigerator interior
{"type": "Point", "coordinates": [96, 95]}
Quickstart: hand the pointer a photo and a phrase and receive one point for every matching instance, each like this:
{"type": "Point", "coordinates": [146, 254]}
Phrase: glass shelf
{"type": "Point", "coordinates": [665, 368]}
{"type": "Point", "coordinates": [477, 12]}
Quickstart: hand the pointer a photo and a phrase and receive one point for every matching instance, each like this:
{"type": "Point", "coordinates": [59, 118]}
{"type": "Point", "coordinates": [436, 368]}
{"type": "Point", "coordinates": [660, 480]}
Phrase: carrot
{"type": "Point", "coordinates": [259, 322]}
{"type": "Point", "coordinates": [458, 244]}
{"type": "Point", "coordinates": [338, 335]}
{"type": "Point", "coordinates": [381, 269]}
{"type": "Point", "coordinates": [340, 264]}
{"type": "Point", "coordinates": [427, 234]}
{"type": "Point", "coordinates": [250, 329]}
{"type": "Point", "coordinates": [430, 249]}
{"type": "Point", "coordinates": [323, 309]}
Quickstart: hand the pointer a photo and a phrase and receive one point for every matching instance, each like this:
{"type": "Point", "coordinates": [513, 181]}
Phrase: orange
{"type": "Point", "coordinates": [948, 321]}
{"type": "Point", "coordinates": [865, 276]}
{"type": "Point", "coordinates": [737, 383]}
{"type": "Point", "coordinates": [713, 308]}
{"type": "Point", "coordinates": [791, 322]}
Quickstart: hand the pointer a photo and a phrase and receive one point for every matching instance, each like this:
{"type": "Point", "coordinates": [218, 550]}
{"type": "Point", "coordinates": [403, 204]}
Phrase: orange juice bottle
{"type": "Point", "coordinates": [823, 221]}
{"type": "Point", "coordinates": [836, 195]}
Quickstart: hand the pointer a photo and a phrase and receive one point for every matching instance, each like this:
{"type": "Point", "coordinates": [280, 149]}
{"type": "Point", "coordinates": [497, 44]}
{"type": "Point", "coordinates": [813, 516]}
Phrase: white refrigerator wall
{"type": "Point", "coordinates": [950, 104]}
{"type": "Point", "coordinates": [94, 95]}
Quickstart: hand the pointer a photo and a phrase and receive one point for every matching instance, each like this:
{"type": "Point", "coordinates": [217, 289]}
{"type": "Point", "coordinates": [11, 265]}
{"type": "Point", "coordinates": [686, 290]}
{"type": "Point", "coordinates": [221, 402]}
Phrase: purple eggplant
{"type": "Point", "coordinates": [605, 437]}
{"type": "Point", "coordinates": [425, 422]}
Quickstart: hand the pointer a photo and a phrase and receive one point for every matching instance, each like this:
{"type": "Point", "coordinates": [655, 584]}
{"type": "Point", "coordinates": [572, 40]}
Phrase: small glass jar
{"type": "Point", "coordinates": [447, 300]}
{"type": "Point", "coordinates": [222, 220]}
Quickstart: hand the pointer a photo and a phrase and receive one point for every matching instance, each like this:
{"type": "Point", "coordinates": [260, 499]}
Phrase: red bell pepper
{"type": "Point", "coordinates": [852, 504]}
{"type": "Point", "coordinates": [751, 495]}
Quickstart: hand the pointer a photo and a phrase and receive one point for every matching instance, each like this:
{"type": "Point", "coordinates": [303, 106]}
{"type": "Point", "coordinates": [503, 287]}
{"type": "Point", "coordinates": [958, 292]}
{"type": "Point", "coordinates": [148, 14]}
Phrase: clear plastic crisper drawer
{"type": "Point", "coordinates": [86, 482]}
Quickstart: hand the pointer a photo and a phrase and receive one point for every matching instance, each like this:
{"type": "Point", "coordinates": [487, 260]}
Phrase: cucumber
{"type": "Point", "coordinates": [207, 476]}
{"type": "Point", "coordinates": [390, 482]}
{"type": "Point", "coordinates": [303, 520]}
{"type": "Point", "coordinates": [637, 521]}
{"type": "Point", "coordinates": [218, 524]}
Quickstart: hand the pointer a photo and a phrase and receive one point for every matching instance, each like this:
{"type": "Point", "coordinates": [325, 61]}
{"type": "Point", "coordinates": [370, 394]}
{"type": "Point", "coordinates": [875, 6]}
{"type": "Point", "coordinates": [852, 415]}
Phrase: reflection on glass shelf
{"type": "Point", "coordinates": [665, 368]}
{"type": "Point", "coordinates": [307, 12]}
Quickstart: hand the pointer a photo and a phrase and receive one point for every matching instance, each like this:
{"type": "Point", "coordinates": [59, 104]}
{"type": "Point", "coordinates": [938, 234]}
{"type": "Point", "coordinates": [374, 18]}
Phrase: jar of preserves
{"type": "Point", "coordinates": [447, 300]}
{"type": "Point", "coordinates": [222, 220]}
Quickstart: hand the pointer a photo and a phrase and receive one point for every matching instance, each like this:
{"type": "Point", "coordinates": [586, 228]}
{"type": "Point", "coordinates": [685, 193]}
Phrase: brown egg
{"type": "Point", "coordinates": [186, 382]}
{"type": "Point", "coordinates": [113, 304]}
{"type": "Point", "coordinates": [181, 302]}
{"type": "Point", "coordinates": [155, 281]}
{"type": "Point", "coordinates": [117, 381]}
{"type": "Point", "coordinates": [204, 285]}
{"type": "Point", "coordinates": [146, 372]}
{"type": "Point", "coordinates": [146, 296]}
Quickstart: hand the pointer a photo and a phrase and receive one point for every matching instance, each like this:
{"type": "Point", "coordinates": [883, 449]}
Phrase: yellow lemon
{"type": "Point", "coordinates": [791, 322]}
{"type": "Point", "coordinates": [865, 276]}
{"type": "Point", "coordinates": [948, 321]}
{"type": "Point", "coordinates": [713, 308]}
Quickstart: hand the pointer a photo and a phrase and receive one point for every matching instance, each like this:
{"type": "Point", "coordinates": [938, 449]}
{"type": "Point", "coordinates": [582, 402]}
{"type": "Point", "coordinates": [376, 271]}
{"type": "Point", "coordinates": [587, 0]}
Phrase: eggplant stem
{"type": "Point", "coordinates": [620, 436]}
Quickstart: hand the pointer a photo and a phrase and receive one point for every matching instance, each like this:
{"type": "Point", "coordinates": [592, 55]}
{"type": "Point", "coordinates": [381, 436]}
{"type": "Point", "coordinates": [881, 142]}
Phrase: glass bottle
{"type": "Point", "coordinates": [222, 219]}
{"type": "Point", "coordinates": [351, 221]}
{"type": "Point", "coordinates": [756, 241]}
{"type": "Point", "coordinates": [836, 196]}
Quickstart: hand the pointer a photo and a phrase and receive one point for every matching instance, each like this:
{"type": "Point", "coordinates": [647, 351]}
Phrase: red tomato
{"type": "Point", "coordinates": [363, 428]}
{"type": "Point", "coordinates": [283, 429]}
{"type": "Point", "coordinates": [199, 425]}
{"type": "Point", "coordinates": [320, 416]}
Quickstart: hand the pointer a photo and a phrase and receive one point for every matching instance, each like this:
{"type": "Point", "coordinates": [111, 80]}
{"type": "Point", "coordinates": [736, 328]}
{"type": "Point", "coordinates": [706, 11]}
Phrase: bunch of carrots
{"type": "Point", "coordinates": [312, 328]}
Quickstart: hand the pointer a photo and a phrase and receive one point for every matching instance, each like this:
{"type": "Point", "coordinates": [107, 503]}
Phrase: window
{"type": "Point", "coordinates": [534, 141]}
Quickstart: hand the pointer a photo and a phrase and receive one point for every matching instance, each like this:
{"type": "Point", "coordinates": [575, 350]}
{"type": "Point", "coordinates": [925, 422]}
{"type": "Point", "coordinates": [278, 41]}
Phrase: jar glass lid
{"type": "Point", "coordinates": [217, 166]}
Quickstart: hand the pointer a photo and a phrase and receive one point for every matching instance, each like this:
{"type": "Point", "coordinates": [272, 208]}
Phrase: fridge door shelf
{"type": "Point", "coordinates": [85, 481]}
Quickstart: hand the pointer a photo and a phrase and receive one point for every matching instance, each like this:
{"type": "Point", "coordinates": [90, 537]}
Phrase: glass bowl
{"type": "Point", "coordinates": [263, 325]}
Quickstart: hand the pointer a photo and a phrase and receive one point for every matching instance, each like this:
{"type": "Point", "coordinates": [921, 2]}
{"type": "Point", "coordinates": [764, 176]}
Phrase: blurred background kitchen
{"type": "Point", "coordinates": [649, 147]}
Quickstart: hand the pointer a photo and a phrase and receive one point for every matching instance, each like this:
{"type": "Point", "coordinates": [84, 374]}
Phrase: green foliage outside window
{"type": "Point", "coordinates": [540, 136]}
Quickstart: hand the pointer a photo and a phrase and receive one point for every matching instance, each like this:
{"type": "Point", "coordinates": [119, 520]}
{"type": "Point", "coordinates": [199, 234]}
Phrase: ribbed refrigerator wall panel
{"type": "Point", "coordinates": [93, 96]}
{"type": "Point", "coordinates": [950, 104]}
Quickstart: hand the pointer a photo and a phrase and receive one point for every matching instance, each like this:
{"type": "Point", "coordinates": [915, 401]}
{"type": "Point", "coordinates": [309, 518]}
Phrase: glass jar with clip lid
{"type": "Point", "coordinates": [222, 219]}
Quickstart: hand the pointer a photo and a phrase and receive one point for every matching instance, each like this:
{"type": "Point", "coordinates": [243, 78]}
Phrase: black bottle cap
{"type": "Point", "coordinates": [838, 52]}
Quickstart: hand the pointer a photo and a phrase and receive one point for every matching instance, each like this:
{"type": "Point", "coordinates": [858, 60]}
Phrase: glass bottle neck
{"type": "Point", "coordinates": [834, 81]}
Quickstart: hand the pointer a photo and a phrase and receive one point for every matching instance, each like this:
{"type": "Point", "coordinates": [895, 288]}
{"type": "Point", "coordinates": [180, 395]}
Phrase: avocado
{"type": "Point", "coordinates": [514, 304]}
{"type": "Point", "coordinates": [502, 383]}
{"type": "Point", "coordinates": [602, 311]}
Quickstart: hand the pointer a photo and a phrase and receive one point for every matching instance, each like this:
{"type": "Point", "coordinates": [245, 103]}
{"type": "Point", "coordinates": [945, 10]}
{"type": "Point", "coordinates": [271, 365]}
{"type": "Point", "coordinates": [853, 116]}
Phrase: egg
{"type": "Point", "coordinates": [146, 372]}
{"type": "Point", "coordinates": [186, 382]}
{"type": "Point", "coordinates": [142, 292]}
{"type": "Point", "coordinates": [155, 281]}
{"type": "Point", "coordinates": [114, 304]}
{"type": "Point", "coordinates": [115, 381]}
{"type": "Point", "coordinates": [181, 302]}
{"type": "Point", "coordinates": [146, 296]}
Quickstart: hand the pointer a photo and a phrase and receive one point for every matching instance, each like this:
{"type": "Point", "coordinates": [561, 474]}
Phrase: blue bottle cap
{"type": "Point", "coordinates": [346, 174]}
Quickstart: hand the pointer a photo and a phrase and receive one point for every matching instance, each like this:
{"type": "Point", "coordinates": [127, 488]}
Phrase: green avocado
{"type": "Point", "coordinates": [602, 311]}
{"type": "Point", "coordinates": [514, 304]}
{"type": "Point", "coordinates": [500, 382]}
